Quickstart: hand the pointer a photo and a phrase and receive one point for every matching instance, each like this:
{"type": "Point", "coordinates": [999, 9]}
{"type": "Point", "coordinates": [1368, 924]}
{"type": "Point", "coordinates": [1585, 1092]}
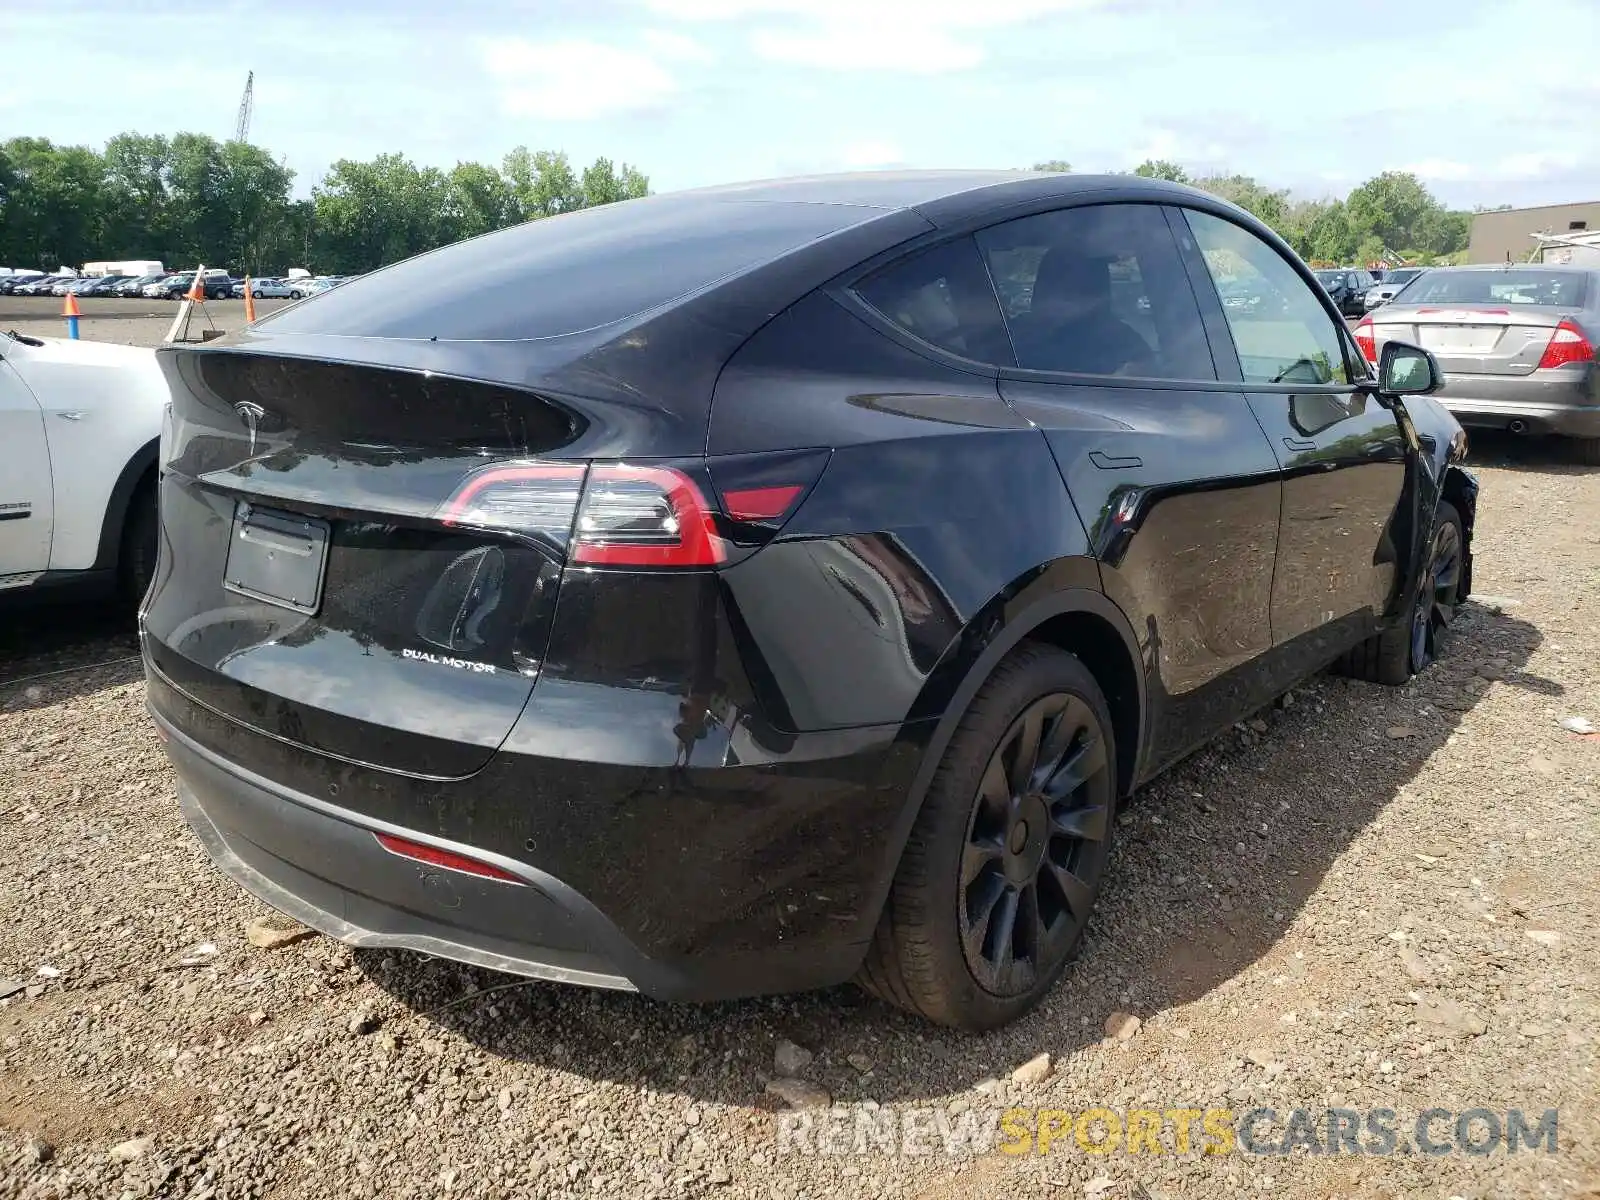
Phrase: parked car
{"type": "Point", "coordinates": [65, 285]}
{"type": "Point", "coordinates": [1383, 291]}
{"type": "Point", "coordinates": [1348, 288]}
{"type": "Point", "coordinates": [82, 421]}
{"type": "Point", "coordinates": [838, 685]}
{"type": "Point", "coordinates": [42, 287]}
{"type": "Point", "coordinates": [1517, 344]}
{"type": "Point", "coordinates": [134, 288]}
{"type": "Point", "coordinates": [106, 285]}
{"type": "Point", "coordinates": [9, 283]}
{"type": "Point", "coordinates": [272, 289]}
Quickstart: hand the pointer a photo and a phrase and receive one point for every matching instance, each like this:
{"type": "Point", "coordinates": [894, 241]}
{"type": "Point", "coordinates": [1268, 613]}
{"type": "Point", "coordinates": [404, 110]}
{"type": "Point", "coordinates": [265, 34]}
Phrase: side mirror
{"type": "Point", "coordinates": [1406, 370]}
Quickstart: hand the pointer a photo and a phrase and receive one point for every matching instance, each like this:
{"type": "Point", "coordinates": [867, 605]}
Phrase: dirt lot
{"type": "Point", "coordinates": [1366, 899]}
{"type": "Point", "coordinates": [129, 322]}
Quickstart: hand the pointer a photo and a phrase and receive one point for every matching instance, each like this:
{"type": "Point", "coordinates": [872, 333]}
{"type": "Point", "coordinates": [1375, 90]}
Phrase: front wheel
{"type": "Point", "coordinates": [1004, 862]}
{"type": "Point", "coordinates": [294, 295]}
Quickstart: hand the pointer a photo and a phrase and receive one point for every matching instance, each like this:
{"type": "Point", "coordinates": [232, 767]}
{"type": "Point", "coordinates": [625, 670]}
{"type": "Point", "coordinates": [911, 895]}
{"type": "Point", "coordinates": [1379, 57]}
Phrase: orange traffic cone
{"type": "Point", "coordinates": [197, 289]}
{"type": "Point", "coordinates": [249, 302]}
{"type": "Point", "coordinates": [69, 310]}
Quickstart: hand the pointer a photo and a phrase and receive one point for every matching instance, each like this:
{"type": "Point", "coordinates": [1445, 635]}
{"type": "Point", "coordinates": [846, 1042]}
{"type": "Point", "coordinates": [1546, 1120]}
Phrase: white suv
{"type": "Point", "coordinates": [80, 427]}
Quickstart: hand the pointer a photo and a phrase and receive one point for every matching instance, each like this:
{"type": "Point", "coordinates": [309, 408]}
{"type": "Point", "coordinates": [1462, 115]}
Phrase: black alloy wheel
{"type": "Point", "coordinates": [1035, 845]}
{"type": "Point", "coordinates": [1004, 861]}
{"type": "Point", "coordinates": [1440, 590]}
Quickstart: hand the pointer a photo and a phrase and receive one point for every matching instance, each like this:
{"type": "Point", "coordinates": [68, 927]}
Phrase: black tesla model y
{"type": "Point", "coordinates": [752, 589]}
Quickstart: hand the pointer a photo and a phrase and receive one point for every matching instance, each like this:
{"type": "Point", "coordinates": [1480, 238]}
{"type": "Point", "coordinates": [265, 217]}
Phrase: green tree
{"type": "Point", "coordinates": [54, 202]}
{"type": "Point", "coordinates": [605, 183]}
{"type": "Point", "coordinates": [480, 200]}
{"type": "Point", "coordinates": [1059, 165]}
{"type": "Point", "coordinates": [543, 183]}
{"type": "Point", "coordinates": [136, 218]}
{"type": "Point", "coordinates": [372, 213]}
{"type": "Point", "coordinates": [1160, 168]}
{"type": "Point", "coordinates": [1392, 208]}
{"type": "Point", "coordinates": [1264, 202]}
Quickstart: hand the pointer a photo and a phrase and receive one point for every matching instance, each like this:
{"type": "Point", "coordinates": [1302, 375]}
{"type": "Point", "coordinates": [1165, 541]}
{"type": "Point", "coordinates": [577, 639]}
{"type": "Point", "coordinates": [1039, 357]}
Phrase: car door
{"type": "Point", "coordinates": [1345, 456]}
{"type": "Point", "coordinates": [1170, 472]}
{"type": "Point", "coordinates": [26, 501]}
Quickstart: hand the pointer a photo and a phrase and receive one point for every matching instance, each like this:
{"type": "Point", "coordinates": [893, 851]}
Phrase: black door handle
{"type": "Point", "coordinates": [1108, 462]}
{"type": "Point", "coordinates": [1299, 444]}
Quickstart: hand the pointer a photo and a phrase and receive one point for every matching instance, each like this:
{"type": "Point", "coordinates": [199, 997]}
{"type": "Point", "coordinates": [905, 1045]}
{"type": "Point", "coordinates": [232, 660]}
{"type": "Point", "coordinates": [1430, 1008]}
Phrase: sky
{"type": "Point", "coordinates": [1488, 101]}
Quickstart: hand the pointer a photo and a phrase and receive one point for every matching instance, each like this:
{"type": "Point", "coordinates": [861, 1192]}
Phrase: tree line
{"type": "Point", "coordinates": [1392, 213]}
{"type": "Point", "coordinates": [189, 199]}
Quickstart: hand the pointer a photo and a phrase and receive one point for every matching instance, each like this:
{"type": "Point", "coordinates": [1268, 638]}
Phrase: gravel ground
{"type": "Point", "coordinates": [1364, 898]}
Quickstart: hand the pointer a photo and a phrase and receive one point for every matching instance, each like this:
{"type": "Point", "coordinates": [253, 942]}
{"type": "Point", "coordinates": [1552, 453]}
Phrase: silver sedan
{"type": "Point", "coordinates": [1517, 344]}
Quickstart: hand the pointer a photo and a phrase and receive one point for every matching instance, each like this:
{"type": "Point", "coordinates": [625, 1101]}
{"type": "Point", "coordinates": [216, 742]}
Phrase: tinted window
{"type": "Point", "coordinates": [1099, 290]}
{"type": "Point", "coordinates": [1280, 328]}
{"type": "Point", "coordinates": [1551, 289]}
{"type": "Point", "coordinates": [942, 296]}
{"type": "Point", "coordinates": [564, 274]}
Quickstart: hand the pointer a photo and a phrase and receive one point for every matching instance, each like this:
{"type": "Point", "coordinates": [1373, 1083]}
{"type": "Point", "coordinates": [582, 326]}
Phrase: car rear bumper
{"type": "Point", "coordinates": [1564, 404]}
{"type": "Point", "coordinates": [684, 884]}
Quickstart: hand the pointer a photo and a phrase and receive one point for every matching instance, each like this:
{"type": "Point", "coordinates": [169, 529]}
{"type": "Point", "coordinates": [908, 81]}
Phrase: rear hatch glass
{"type": "Point", "coordinates": [567, 274]}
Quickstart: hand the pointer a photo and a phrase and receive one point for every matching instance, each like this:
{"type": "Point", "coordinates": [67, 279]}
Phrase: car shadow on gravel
{"type": "Point", "coordinates": [1532, 455]}
{"type": "Point", "coordinates": [51, 651]}
{"type": "Point", "coordinates": [1213, 863]}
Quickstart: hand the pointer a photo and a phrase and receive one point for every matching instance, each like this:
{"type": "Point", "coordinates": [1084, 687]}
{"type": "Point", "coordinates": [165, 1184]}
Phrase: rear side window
{"type": "Point", "coordinates": [1545, 289]}
{"type": "Point", "coordinates": [1098, 290]}
{"type": "Point", "coordinates": [942, 295]}
{"type": "Point", "coordinates": [1280, 328]}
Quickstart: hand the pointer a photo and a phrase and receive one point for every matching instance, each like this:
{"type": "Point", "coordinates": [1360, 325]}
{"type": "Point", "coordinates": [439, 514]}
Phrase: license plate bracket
{"type": "Point", "coordinates": [277, 557]}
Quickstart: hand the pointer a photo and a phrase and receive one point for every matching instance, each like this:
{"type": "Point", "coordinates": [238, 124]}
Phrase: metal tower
{"type": "Point", "coordinates": [241, 131]}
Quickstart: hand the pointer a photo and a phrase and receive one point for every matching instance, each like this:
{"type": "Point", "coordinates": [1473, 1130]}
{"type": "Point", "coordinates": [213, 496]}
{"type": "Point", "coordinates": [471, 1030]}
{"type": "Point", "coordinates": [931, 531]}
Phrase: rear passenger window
{"type": "Point", "coordinates": [1281, 330]}
{"type": "Point", "coordinates": [1098, 290]}
{"type": "Point", "coordinates": [942, 296]}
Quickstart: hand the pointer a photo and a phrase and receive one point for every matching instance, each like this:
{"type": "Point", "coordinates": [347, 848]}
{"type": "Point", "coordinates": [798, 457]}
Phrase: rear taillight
{"type": "Point", "coordinates": [1367, 340]}
{"type": "Point", "coordinates": [607, 514]}
{"type": "Point", "coordinates": [645, 517]}
{"type": "Point", "coordinates": [1567, 345]}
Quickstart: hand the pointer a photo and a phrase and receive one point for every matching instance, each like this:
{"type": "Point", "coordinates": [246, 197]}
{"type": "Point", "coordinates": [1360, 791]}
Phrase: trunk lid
{"type": "Point", "coordinates": [308, 587]}
{"type": "Point", "coordinates": [1474, 339]}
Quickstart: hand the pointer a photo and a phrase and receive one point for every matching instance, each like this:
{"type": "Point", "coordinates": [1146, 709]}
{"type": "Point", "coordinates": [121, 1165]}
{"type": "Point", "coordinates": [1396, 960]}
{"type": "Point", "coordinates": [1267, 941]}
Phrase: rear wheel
{"type": "Point", "coordinates": [136, 564]}
{"type": "Point", "coordinates": [1005, 860]}
{"type": "Point", "coordinates": [1395, 655]}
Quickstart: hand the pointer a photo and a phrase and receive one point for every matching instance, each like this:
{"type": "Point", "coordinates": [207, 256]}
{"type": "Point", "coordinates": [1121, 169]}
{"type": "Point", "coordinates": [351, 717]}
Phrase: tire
{"type": "Point", "coordinates": [294, 295]}
{"type": "Point", "coordinates": [943, 948]}
{"type": "Point", "coordinates": [255, 295]}
{"type": "Point", "coordinates": [136, 563]}
{"type": "Point", "coordinates": [1587, 451]}
{"type": "Point", "coordinates": [1411, 645]}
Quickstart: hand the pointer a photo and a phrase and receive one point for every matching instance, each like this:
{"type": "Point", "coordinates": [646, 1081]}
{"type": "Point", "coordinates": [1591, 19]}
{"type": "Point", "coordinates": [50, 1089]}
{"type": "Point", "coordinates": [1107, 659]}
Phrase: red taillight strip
{"type": "Point", "coordinates": [461, 502]}
{"type": "Point", "coordinates": [450, 861]}
{"type": "Point", "coordinates": [698, 543]}
{"type": "Point", "coordinates": [761, 504]}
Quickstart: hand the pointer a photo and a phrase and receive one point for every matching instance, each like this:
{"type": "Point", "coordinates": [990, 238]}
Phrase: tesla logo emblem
{"type": "Point", "coordinates": [250, 413]}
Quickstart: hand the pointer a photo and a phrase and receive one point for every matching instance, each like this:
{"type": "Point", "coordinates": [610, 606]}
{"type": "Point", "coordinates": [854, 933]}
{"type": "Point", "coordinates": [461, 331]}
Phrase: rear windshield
{"type": "Point", "coordinates": [1529, 286]}
{"type": "Point", "coordinates": [569, 273]}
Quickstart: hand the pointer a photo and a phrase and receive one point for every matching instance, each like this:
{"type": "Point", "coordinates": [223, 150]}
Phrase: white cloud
{"type": "Point", "coordinates": [575, 80]}
{"type": "Point", "coordinates": [675, 46]}
{"type": "Point", "coordinates": [867, 155]}
{"type": "Point", "coordinates": [1512, 168]}
{"type": "Point", "coordinates": [1440, 168]}
{"type": "Point", "coordinates": [921, 36]}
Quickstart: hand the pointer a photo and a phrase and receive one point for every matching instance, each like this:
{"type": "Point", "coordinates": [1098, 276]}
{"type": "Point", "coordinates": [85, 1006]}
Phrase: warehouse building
{"type": "Point", "coordinates": [1508, 235]}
